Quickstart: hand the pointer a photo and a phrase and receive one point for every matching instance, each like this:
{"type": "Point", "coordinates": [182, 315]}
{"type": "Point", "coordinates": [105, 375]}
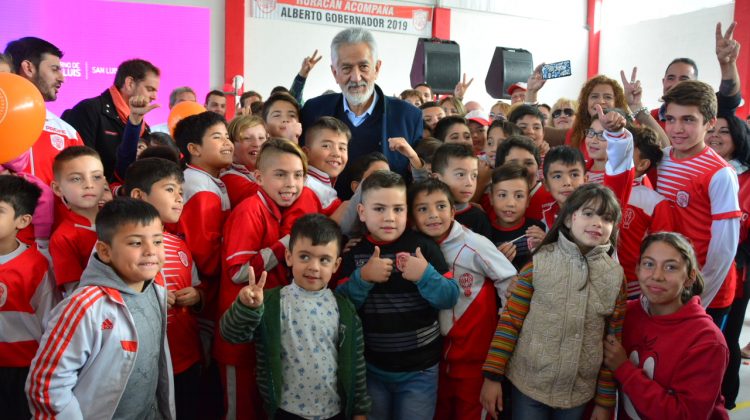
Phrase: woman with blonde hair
{"type": "Point", "coordinates": [563, 113]}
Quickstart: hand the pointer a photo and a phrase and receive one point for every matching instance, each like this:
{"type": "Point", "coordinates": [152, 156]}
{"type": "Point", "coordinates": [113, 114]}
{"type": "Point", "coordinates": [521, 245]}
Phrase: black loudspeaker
{"type": "Point", "coordinates": [437, 63]}
{"type": "Point", "coordinates": [508, 66]}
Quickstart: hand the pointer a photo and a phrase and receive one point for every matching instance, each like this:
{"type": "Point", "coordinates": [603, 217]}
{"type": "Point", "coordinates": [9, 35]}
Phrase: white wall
{"type": "Point", "coordinates": [479, 32]}
{"type": "Point", "coordinates": [651, 45]}
{"type": "Point", "coordinates": [274, 51]}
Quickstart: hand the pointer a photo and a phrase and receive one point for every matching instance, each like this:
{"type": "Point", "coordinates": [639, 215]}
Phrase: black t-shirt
{"type": "Point", "coordinates": [475, 219]}
{"type": "Point", "coordinates": [516, 234]}
{"type": "Point", "coordinates": [400, 326]}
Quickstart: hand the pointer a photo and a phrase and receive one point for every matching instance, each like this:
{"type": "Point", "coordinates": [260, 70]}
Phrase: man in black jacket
{"type": "Point", "coordinates": [101, 120]}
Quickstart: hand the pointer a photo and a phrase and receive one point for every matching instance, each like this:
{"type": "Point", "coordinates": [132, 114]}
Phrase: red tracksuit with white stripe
{"type": "Point", "coordinates": [70, 247]}
{"type": "Point", "coordinates": [56, 136]}
{"type": "Point", "coordinates": [252, 238]}
{"type": "Point", "coordinates": [179, 272]}
{"type": "Point", "coordinates": [647, 211]}
{"type": "Point", "coordinates": [482, 273]}
{"type": "Point", "coordinates": [240, 183]}
{"type": "Point", "coordinates": [704, 189]}
{"type": "Point", "coordinates": [201, 226]}
{"type": "Point", "coordinates": [322, 185]}
{"type": "Point", "coordinates": [27, 296]}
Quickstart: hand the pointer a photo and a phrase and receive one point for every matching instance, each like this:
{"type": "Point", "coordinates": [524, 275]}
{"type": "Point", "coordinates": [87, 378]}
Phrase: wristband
{"type": "Point", "coordinates": [634, 115]}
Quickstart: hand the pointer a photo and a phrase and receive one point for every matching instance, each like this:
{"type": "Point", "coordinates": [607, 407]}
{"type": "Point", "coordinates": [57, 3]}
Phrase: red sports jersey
{"type": "Point", "coordinates": [704, 189]}
{"type": "Point", "coordinates": [595, 177]}
{"type": "Point", "coordinates": [252, 238]}
{"type": "Point", "coordinates": [70, 247]}
{"type": "Point", "coordinates": [240, 183]}
{"type": "Point", "coordinates": [322, 185]}
{"type": "Point", "coordinates": [647, 211]}
{"type": "Point", "coordinates": [56, 136]}
{"type": "Point", "coordinates": [306, 203]}
{"type": "Point", "coordinates": [27, 296]}
{"type": "Point", "coordinates": [182, 326]}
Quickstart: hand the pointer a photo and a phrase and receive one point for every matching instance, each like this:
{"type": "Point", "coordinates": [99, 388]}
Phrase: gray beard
{"type": "Point", "coordinates": [356, 100]}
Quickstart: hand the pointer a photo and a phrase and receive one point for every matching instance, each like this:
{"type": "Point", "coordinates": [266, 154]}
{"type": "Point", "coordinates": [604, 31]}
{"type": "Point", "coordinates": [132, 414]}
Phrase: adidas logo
{"type": "Point", "coordinates": [107, 324]}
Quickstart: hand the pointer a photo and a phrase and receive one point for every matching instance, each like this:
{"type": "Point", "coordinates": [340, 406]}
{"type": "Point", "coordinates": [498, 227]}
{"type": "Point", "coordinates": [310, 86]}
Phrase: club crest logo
{"type": "Point", "coordinates": [683, 198]}
{"type": "Point", "coordinates": [183, 258]}
{"type": "Point", "coordinates": [419, 19]}
{"type": "Point", "coordinates": [465, 281]}
{"type": "Point", "coordinates": [266, 6]}
{"type": "Point", "coordinates": [3, 294]}
{"type": "Point", "coordinates": [627, 218]}
{"type": "Point", "coordinates": [58, 141]}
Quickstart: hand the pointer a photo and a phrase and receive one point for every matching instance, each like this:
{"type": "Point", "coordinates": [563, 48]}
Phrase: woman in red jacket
{"type": "Point", "coordinates": [672, 357]}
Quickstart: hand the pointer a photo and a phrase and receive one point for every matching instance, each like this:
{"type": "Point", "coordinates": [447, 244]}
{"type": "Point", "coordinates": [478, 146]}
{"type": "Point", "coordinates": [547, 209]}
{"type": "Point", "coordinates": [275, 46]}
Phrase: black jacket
{"type": "Point", "coordinates": [97, 122]}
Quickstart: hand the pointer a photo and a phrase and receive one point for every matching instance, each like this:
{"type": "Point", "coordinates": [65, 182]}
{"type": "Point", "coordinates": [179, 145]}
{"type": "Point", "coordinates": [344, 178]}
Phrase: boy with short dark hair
{"type": "Point", "coordinates": [80, 182]}
{"type": "Point", "coordinates": [457, 166]}
{"type": "Point", "coordinates": [704, 188]}
{"type": "Point", "coordinates": [113, 326]}
{"type": "Point", "coordinates": [530, 121]}
{"type": "Point", "coordinates": [308, 339]}
{"type": "Point", "coordinates": [254, 239]}
{"type": "Point", "coordinates": [510, 200]}
{"type": "Point", "coordinates": [398, 294]}
{"type": "Point", "coordinates": [159, 183]}
{"type": "Point", "coordinates": [327, 150]}
{"type": "Point", "coordinates": [482, 274]}
{"type": "Point", "coordinates": [521, 150]}
{"type": "Point", "coordinates": [27, 294]}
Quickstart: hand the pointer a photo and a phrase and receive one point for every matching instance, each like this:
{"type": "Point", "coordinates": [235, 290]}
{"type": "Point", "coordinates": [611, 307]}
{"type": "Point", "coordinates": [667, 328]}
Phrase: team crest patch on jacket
{"type": "Point", "coordinates": [58, 141]}
{"type": "Point", "coordinates": [682, 198]}
{"type": "Point", "coordinates": [3, 294]}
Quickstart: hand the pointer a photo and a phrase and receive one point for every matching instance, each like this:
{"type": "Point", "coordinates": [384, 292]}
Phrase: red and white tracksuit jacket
{"type": "Point", "coordinates": [240, 183]}
{"type": "Point", "coordinates": [88, 352]}
{"type": "Point", "coordinates": [482, 273]}
{"type": "Point", "coordinates": [322, 185]}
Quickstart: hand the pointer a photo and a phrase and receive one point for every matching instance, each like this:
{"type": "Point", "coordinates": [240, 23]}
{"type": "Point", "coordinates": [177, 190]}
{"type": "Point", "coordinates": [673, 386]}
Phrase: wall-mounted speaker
{"type": "Point", "coordinates": [508, 66]}
{"type": "Point", "coordinates": [437, 63]}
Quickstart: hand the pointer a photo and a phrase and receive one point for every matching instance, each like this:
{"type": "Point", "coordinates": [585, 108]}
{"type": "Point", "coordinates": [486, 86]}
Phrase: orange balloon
{"type": "Point", "coordinates": [182, 111]}
{"type": "Point", "coordinates": [22, 114]}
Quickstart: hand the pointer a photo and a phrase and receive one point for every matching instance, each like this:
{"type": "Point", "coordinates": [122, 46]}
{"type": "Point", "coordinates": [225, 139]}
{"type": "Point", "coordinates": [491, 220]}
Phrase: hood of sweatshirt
{"type": "Point", "coordinates": [692, 309]}
{"type": "Point", "coordinates": [98, 273]}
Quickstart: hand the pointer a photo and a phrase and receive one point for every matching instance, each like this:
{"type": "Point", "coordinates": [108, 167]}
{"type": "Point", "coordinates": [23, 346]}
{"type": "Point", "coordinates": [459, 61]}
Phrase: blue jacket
{"type": "Point", "coordinates": [401, 119]}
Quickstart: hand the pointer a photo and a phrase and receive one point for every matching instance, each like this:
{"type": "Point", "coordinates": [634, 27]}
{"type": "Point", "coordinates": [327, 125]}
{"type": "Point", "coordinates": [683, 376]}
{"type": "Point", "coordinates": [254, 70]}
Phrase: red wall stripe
{"type": "Point", "coordinates": [234, 46]}
{"type": "Point", "coordinates": [441, 23]}
{"type": "Point", "coordinates": [594, 21]}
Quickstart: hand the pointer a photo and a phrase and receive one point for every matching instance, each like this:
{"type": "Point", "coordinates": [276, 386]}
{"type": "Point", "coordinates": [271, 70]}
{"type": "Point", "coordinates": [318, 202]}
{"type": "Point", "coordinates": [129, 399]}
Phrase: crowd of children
{"type": "Point", "coordinates": [221, 274]}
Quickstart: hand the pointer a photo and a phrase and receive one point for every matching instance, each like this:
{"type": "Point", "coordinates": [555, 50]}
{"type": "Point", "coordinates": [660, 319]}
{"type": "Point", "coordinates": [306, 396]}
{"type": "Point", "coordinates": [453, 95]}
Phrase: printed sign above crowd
{"type": "Point", "coordinates": [411, 20]}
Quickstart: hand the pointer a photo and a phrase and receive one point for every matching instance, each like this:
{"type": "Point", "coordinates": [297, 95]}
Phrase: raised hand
{"type": "Point", "coordinates": [611, 121]}
{"type": "Point", "coordinates": [308, 63]}
{"type": "Point", "coordinates": [460, 90]}
{"type": "Point", "coordinates": [140, 106]}
{"type": "Point", "coordinates": [633, 91]}
{"type": "Point", "coordinates": [399, 144]}
{"type": "Point", "coordinates": [727, 49]}
{"type": "Point", "coordinates": [377, 270]}
{"type": "Point", "coordinates": [252, 294]}
{"type": "Point", "coordinates": [535, 81]}
{"type": "Point", "coordinates": [414, 266]}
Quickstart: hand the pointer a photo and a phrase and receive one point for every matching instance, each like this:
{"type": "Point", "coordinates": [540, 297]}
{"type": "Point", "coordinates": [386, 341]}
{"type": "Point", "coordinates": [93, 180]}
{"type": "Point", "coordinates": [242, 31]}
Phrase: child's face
{"type": "Point", "coordinates": [686, 129]}
{"type": "Point", "coordinates": [247, 147]}
{"type": "Point", "coordinates": [596, 144]}
{"type": "Point", "coordinates": [166, 197]}
{"type": "Point", "coordinates": [510, 199]}
{"type": "Point", "coordinates": [662, 274]}
{"type": "Point", "coordinates": [10, 224]}
{"type": "Point", "coordinates": [378, 165]}
{"type": "Point", "coordinates": [136, 252]}
{"type": "Point", "coordinates": [432, 213]}
{"type": "Point", "coordinates": [494, 137]}
{"type": "Point", "coordinates": [81, 183]}
{"type": "Point", "coordinates": [328, 151]}
{"type": "Point", "coordinates": [478, 136]}
{"type": "Point", "coordinates": [459, 133]}
{"type": "Point", "coordinates": [562, 180]}
{"type": "Point", "coordinates": [526, 159]}
{"type": "Point", "coordinates": [432, 115]}
{"type": "Point", "coordinates": [531, 126]}
{"type": "Point", "coordinates": [313, 265]}
{"type": "Point", "coordinates": [589, 229]}
{"type": "Point", "coordinates": [461, 176]}
{"type": "Point", "coordinates": [216, 150]}
{"type": "Point", "coordinates": [281, 119]}
{"type": "Point", "coordinates": [282, 178]}
{"type": "Point", "coordinates": [383, 211]}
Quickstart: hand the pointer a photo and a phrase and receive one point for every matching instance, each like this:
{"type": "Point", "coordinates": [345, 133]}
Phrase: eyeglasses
{"type": "Point", "coordinates": [593, 133]}
{"type": "Point", "coordinates": [496, 117]}
{"type": "Point", "coordinates": [558, 112]}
